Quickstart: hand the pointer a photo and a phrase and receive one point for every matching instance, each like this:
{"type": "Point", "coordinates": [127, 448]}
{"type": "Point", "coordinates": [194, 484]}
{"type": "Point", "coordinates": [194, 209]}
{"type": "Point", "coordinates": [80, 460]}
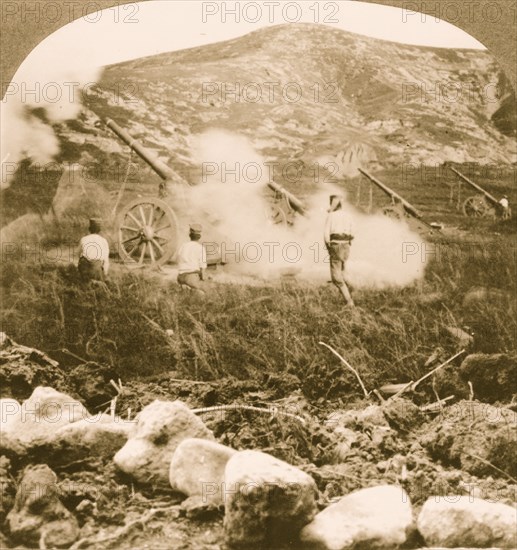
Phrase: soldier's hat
{"type": "Point", "coordinates": [95, 225]}
{"type": "Point", "coordinates": [195, 228]}
{"type": "Point", "coordinates": [338, 201]}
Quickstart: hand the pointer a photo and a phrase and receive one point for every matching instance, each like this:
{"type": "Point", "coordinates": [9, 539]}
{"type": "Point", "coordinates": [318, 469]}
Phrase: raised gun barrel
{"type": "Point", "coordinates": [152, 160]}
{"type": "Point", "coordinates": [408, 207]}
{"type": "Point", "coordinates": [294, 202]}
{"type": "Point", "coordinates": [490, 197]}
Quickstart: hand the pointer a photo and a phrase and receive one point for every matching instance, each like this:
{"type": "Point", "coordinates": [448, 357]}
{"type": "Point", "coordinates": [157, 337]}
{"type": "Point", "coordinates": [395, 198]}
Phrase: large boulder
{"type": "Point", "coordinates": [267, 501]}
{"type": "Point", "coordinates": [38, 517]}
{"type": "Point", "coordinates": [99, 436]}
{"type": "Point", "coordinates": [464, 521]}
{"type": "Point", "coordinates": [197, 469]}
{"type": "Point", "coordinates": [160, 428]}
{"type": "Point", "coordinates": [37, 419]}
{"type": "Point", "coordinates": [54, 425]}
{"type": "Point", "coordinates": [378, 517]}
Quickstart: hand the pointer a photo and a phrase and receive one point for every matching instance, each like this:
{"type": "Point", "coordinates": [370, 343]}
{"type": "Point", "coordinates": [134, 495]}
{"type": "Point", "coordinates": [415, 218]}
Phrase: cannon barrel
{"type": "Point", "coordinates": [408, 207]}
{"type": "Point", "coordinates": [490, 197]}
{"type": "Point", "coordinates": [152, 160]}
{"type": "Point", "coordinates": [295, 203]}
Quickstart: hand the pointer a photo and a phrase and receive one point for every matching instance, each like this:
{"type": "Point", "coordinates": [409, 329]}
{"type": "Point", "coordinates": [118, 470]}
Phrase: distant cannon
{"type": "Point", "coordinates": [483, 205]}
{"type": "Point", "coordinates": [285, 204]}
{"type": "Point", "coordinates": [400, 207]}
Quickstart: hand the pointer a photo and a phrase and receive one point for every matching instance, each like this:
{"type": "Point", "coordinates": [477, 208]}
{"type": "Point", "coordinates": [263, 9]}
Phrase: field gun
{"type": "Point", "coordinates": [286, 204]}
{"type": "Point", "coordinates": [400, 207]}
{"type": "Point", "coordinates": [483, 205]}
{"type": "Point", "coordinates": [148, 228]}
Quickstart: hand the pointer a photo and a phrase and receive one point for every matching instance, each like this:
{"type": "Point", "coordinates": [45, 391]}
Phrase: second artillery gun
{"type": "Point", "coordinates": [400, 208]}
{"type": "Point", "coordinates": [148, 228]}
{"type": "Point", "coordinates": [483, 205]}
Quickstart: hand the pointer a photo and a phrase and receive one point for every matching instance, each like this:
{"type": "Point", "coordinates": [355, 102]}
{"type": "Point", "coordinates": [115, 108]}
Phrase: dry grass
{"type": "Point", "coordinates": [252, 332]}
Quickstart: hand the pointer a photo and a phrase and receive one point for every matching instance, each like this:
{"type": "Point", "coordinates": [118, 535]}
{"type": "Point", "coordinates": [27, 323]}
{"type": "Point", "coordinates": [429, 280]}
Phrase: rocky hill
{"type": "Point", "coordinates": [312, 93]}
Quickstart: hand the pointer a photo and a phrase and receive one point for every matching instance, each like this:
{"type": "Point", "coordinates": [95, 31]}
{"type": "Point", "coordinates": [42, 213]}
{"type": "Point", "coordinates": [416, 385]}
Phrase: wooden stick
{"type": "Point", "coordinates": [437, 368]}
{"type": "Point", "coordinates": [113, 407]}
{"type": "Point", "coordinates": [379, 396]}
{"type": "Point", "coordinates": [413, 385]}
{"type": "Point", "coordinates": [271, 411]}
{"type": "Point", "coordinates": [114, 384]}
{"type": "Point", "coordinates": [471, 388]}
{"type": "Point", "coordinates": [345, 362]}
{"type": "Point", "coordinates": [440, 403]}
{"type": "Point", "coordinates": [400, 392]}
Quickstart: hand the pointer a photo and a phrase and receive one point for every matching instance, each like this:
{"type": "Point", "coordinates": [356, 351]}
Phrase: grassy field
{"type": "Point", "coordinates": [262, 333]}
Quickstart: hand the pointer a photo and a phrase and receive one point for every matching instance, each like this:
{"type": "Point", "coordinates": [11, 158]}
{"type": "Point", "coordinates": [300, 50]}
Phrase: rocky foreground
{"type": "Point", "coordinates": [245, 497]}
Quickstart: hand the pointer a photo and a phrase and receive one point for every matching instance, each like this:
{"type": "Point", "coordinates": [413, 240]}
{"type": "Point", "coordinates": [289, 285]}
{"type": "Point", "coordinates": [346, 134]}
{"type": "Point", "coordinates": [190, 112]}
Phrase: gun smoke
{"type": "Point", "coordinates": [255, 246]}
{"type": "Point", "coordinates": [41, 94]}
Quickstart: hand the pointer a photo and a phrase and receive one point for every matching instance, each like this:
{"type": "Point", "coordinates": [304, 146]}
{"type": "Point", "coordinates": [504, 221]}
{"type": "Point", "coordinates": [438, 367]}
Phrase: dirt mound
{"type": "Point", "coordinates": [476, 437]}
{"type": "Point", "coordinates": [22, 369]}
{"type": "Point", "coordinates": [493, 376]}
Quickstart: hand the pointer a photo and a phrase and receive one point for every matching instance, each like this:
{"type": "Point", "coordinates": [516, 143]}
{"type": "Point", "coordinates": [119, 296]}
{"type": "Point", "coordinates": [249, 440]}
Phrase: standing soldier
{"type": "Point", "coordinates": [338, 241]}
{"type": "Point", "coordinates": [192, 260]}
{"type": "Point", "coordinates": [94, 254]}
{"type": "Point", "coordinates": [505, 207]}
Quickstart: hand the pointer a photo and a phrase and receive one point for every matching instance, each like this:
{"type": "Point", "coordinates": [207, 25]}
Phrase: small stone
{"type": "Point", "coordinates": [197, 469]}
{"type": "Point", "coordinates": [267, 501]}
{"type": "Point", "coordinates": [466, 521]}
{"type": "Point", "coordinates": [38, 516]}
{"type": "Point", "coordinates": [195, 507]}
{"type": "Point", "coordinates": [160, 428]}
{"type": "Point", "coordinates": [374, 518]}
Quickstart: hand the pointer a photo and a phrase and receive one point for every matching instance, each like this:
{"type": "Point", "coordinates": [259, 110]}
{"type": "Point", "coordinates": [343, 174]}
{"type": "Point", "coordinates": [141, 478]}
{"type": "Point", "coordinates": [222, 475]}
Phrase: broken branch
{"type": "Point", "coordinates": [272, 411]}
{"type": "Point", "coordinates": [349, 366]}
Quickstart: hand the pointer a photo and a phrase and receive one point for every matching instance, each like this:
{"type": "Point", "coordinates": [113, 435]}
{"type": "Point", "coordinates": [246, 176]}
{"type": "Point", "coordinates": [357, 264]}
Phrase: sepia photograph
{"type": "Point", "coordinates": [258, 275]}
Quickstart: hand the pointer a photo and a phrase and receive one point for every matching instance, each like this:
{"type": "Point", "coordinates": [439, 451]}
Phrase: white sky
{"type": "Point", "coordinates": [136, 30]}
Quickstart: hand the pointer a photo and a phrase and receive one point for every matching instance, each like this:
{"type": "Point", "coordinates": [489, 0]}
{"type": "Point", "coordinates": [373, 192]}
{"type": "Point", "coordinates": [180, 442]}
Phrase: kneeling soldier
{"type": "Point", "coordinates": [94, 254]}
{"type": "Point", "coordinates": [192, 260]}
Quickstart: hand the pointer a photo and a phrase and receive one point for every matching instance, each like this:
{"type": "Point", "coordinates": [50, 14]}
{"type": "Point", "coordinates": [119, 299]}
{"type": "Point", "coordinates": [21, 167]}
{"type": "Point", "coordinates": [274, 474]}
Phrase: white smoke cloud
{"type": "Point", "coordinates": [38, 84]}
{"type": "Point", "coordinates": [237, 210]}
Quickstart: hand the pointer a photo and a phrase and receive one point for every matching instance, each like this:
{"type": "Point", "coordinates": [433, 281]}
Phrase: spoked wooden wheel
{"type": "Point", "coordinates": [275, 214]}
{"type": "Point", "coordinates": [147, 232]}
{"type": "Point", "coordinates": [478, 207]}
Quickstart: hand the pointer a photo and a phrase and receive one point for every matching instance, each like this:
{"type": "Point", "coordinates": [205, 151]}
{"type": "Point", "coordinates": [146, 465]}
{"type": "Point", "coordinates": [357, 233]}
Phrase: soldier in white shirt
{"type": "Point", "coordinates": [93, 254]}
{"type": "Point", "coordinates": [338, 240]}
{"type": "Point", "coordinates": [192, 260]}
{"type": "Point", "coordinates": [505, 207]}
